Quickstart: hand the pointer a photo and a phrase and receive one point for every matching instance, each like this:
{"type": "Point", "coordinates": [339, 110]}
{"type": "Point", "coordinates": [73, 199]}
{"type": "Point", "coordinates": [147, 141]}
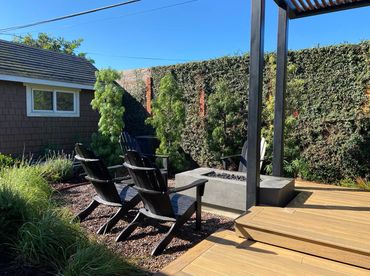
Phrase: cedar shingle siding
{"type": "Point", "coordinates": [19, 133]}
{"type": "Point", "coordinates": [21, 64]}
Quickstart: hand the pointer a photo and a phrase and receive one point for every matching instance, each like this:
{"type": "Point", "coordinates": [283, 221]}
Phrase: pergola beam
{"type": "Point", "coordinates": [303, 8]}
{"type": "Point", "coordinates": [255, 101]}
{"type": "Point", "coordinates": [281, 79]}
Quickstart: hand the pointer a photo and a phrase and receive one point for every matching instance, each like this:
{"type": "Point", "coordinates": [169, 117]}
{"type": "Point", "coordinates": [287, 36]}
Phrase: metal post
{"type": "Point", "coordinates": [281, 79]}
{"type": "Point", "coordinates": [255, 101]}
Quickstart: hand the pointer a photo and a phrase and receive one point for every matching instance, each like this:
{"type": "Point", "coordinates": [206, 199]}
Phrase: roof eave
{"type": "Point", "coordinates": [46, 82]}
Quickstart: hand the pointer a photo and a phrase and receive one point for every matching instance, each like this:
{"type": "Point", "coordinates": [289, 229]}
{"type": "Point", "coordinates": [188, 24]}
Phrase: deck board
{"type": "Point", "coordinates": [328, 221]}
{"type": "Point", "coordinates": [224, 253]}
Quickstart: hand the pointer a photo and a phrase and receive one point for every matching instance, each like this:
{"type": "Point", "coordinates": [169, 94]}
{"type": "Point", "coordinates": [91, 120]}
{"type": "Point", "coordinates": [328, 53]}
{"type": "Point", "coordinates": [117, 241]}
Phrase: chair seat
{"type": "Point", "coordinates": [181, 203]}
{"type": "Point", "coordinates": [126, 193]}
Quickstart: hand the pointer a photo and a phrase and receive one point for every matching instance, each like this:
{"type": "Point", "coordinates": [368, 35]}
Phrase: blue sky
{"type": "Point", "coordinates": [196, 30]}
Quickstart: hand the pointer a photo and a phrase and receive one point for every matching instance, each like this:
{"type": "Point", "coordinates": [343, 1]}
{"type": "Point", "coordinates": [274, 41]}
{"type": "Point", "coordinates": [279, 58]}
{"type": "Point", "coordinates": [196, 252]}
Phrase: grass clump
{"type": "Point", "coordinates": [48, 241]}
{"type": "Point", "coordinates": [6, 161]}
{"type": "Point", "coordinates": [57, 168]}
{"type": "Point", "coordinates": [96, 259]}
{"type": "Point", "coordinates": [14, 211]}
{"type": "Point", "coordinates": [39, 236]}
{"type": "Point", "coordinates": [359, 183]}
{"type": "Point", "coordinates": [30, 184]}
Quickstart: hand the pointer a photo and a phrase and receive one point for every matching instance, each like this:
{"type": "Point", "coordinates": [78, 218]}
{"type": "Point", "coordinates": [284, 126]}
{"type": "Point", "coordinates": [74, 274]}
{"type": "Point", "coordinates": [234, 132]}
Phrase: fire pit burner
{"type": "Point", "coordinates": [230, 176]}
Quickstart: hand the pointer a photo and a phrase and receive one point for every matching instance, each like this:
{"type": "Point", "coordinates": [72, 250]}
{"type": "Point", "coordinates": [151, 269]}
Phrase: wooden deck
{"type": "Point", "coordinates": [326, 221]}
{"type": "Point", "coordinates": [224, 253]}
{"type": "Point", "coordinates": [325, 230]}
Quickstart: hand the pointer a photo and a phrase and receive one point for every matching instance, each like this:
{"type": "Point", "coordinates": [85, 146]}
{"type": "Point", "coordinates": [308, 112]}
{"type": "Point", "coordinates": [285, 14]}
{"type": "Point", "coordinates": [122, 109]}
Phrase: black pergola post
{"type": "Point", "coordinates": [255, 101]}
{"type": "Point", "coordinates": [281, 79]}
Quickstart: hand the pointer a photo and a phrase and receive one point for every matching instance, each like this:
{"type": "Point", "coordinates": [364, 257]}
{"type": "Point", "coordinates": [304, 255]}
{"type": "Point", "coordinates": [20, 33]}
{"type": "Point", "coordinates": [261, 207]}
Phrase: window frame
{"type": "Point", "coordinates": [31, 112]}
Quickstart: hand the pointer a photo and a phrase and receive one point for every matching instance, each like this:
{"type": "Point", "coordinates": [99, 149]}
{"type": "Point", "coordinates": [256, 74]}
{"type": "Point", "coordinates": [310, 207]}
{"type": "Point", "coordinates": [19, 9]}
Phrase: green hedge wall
{"type": "Point", "coordinates": [333, 109]}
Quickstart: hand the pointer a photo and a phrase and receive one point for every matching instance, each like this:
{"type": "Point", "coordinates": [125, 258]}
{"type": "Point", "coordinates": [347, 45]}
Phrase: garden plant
{"type": "Point", "coordinates": [36, 234]}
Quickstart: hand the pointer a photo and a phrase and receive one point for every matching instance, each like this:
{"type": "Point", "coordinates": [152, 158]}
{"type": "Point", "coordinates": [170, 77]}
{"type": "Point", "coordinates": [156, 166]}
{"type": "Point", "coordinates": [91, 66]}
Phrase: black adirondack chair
{"type": "Point", "coordinates": [241, 159]}
{"type": "Point", "coordinates": [161, 203]}
{"type": "Point", "coordinates": [110, 191]}
{"type": "Point", "coordinates": [129, 143]}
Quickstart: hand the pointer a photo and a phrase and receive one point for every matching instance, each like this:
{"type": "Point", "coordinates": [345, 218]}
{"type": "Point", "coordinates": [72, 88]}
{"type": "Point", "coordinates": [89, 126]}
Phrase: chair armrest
{"type": "Point", "coordinates": [121, 178]}
{"type": "Point", "coordinates": [115, 167]}
{"type": "Point", "coordinates": [196, 183]}
{"type": "Point", "coordinates": [230, 156]}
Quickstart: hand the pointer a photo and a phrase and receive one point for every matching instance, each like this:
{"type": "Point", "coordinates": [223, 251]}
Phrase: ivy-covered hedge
{"type": "Point", "coordinates": [331, 107]}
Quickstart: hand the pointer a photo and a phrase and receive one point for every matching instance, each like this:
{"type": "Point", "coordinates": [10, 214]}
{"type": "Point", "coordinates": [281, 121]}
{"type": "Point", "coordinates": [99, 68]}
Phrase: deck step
{"type": "Point", "coordinates": [224, 253]}
{"type": "Point", "coordinates": [320, 235]}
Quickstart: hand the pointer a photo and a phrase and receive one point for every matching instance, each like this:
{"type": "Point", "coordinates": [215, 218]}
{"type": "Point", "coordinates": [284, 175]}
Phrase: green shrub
{"type": "Point", "coordinates": [57, 168]}
{"type": "Point", "coordinates": [224, 112]}
{"type": "Point", "coordinates": [96, 259]}
{"type": "Point", "coordinates": [14, 211]}
{"type": "Point", "coordinates": [38, 235]}
{"type": "Point", "coordinates": [108, 101]}
{"type": "Point", "coordinates": [47, 242]}
{"type": "Point", "coordinates": [168, 120]}
{"type": "Point", "coordinates": [106, 149]}
{"type": "Point", "coordinates": [6, 161]}
{"type": "Point", "coordinates": [293, 164]}
{"type": "Point", "coordinates": [28, 181]}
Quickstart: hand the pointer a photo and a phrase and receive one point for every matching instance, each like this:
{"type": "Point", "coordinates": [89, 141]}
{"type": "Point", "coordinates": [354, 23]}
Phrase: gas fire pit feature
{"type": "Point", "coordinates": [227, 190]}
{"type": "Point", "coordinates": [224, 175]}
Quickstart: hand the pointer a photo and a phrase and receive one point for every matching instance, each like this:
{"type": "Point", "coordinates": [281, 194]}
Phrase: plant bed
{"type": "Point", "coordinates": [36, 234]}
{"type": "Point", "coordinates": [138, 247]}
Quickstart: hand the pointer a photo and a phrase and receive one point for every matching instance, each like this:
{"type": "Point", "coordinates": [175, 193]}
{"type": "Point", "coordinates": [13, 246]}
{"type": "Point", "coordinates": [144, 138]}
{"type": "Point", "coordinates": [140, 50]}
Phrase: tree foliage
{"type": "Point", "coordinates": [168, 120]}
{"type": "Point", "coordinates": [293, 164]}
{"type": "Point", "coordinates": [223, 119]}
{"type": "Point", "coordinates": [56, 44]}
{"type": "Point", "coordinates": [108, 101]}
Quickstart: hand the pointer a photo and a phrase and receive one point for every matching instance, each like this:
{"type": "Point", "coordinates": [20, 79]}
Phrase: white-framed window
{"type": "Point", "coordinates": [48, 101]}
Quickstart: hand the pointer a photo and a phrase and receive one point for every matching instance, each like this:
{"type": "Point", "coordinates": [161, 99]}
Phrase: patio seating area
{"type": "Point", "coordinates": [323, 231]}
{"type": "Point", "coordinates": [255, 163]}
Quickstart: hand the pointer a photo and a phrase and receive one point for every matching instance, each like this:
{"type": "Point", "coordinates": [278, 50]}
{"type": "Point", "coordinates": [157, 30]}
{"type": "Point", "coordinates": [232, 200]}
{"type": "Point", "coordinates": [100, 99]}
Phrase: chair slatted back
{"type": "Point", "coordinates": [128, 143]}
{"type": "Point", "coordinates": [97, 174]}
{"type": "Point", "coordinates": [243, 156]}
{"type": "Point", "coordinates": [150, 184]}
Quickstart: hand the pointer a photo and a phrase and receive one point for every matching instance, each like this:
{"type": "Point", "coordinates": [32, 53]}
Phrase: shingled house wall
{"type": "Point", "coordinates": [21, 134]}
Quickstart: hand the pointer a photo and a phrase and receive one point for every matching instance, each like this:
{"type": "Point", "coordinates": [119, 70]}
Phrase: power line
{"type": "Point", "coordinates": [122, 16]}
{"type": "Point", "coordinates": [139, 57]}
{"type": "Point", "coordinates": [11, 34]}
{"type": "Point", "coordinates": [120, 56]}
{"type": "Point", "coordinates": [135, 13]}
{"type": "Point", "coordinates": [66, 16]}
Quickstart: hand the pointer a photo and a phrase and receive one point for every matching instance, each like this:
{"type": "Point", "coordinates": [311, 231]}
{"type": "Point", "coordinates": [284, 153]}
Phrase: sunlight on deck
{"type": "Point", "coordinates": [328, 225]}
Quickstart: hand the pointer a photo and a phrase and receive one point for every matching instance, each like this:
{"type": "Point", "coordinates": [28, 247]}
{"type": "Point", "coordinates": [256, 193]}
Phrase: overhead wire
{"type": "Point", "coordinates": [5, 30]}
{"type": "Point", "coordinates": [121, 16]}
{"type": "Point", "coordinates": [67, 16]}
{"type": "Point", "coordinates": [139, 57]}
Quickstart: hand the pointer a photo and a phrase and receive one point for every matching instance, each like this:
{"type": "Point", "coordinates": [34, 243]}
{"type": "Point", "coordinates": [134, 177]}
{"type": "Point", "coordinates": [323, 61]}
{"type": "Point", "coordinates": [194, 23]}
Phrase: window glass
{"type": "Point", "coordinates": [42, 100]}
{"type": "Point", "coordinates": [65, 101]}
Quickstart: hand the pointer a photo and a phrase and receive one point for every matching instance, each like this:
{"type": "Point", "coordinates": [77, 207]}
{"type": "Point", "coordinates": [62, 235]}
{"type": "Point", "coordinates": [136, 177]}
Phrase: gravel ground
{"type": "Point", "coordinates": [139, 245]}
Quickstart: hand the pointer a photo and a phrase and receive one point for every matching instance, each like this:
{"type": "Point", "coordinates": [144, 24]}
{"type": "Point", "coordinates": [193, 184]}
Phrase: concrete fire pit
{"type": "Point", "coordinates": [226, 189]}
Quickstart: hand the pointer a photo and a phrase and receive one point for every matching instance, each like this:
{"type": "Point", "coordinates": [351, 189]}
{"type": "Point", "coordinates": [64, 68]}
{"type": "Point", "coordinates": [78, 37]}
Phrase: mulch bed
{"type": "Point", "coordinates": [137, 248]}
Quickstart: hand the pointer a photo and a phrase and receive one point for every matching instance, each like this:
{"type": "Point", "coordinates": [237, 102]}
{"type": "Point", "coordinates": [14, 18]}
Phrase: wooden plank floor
{"type": "Point", "coordinates": [224, 253]}
{"type": "Point", "coordinates": [323, 220]}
